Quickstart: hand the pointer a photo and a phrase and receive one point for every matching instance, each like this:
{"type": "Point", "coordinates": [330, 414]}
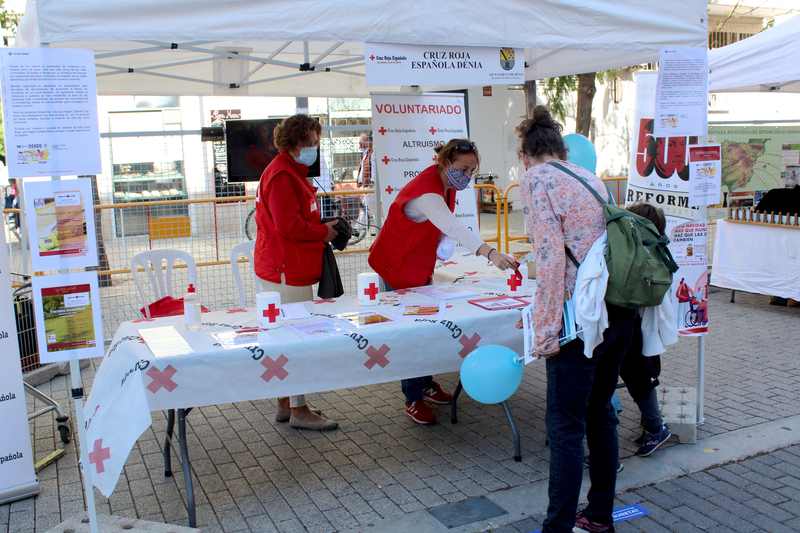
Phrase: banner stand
{"type": "Point", "coordinates": [701, 378]}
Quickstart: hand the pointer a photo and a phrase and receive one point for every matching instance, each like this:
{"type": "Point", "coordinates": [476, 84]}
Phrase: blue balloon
{"type": "Point", "coordinates": [580, 151]}
{"type": "Point", "coordinates": [491, 374]}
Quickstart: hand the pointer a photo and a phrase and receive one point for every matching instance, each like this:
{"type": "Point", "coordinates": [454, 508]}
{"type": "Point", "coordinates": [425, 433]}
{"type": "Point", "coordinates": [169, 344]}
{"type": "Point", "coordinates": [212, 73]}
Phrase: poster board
{"type": "Point", "coordinates": [17, 477]}
{"type": "Point", "coordinates": [61, 223]}
{"type": "Point", "coordinates": [406, 129]}
{"type": "Point", "coordinates": [50, 112]}
{"type": "Point", "coordinates": [659, 175]}
{"type": "Point", "coordinates": [68, 319]}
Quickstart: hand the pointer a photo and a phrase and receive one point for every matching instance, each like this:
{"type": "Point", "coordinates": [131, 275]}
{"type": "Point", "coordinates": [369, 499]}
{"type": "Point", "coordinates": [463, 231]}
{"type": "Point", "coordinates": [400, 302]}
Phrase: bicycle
{"type": "Point", "coordinates": [352, 209]}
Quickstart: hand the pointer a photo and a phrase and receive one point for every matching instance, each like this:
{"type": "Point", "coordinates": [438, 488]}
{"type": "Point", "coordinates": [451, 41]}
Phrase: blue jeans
{"type": "Point", "coordinates": [579, 393]}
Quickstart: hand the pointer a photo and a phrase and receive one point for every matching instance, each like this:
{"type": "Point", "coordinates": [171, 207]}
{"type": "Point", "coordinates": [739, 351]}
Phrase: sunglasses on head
{"type": "Point", "coordinates": [467, 147]}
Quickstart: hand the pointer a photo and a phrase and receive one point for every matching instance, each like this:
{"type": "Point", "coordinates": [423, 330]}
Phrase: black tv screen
{"type": "Point", "coordinates": [250, 148]}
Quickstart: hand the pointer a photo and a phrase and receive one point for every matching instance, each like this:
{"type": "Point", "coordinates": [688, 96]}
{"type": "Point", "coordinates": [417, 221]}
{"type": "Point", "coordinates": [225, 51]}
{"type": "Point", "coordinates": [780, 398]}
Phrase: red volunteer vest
{"type": "Point", "coordinates": [297, 256]}
{"type": "Point", "coordinates": [404, 254]}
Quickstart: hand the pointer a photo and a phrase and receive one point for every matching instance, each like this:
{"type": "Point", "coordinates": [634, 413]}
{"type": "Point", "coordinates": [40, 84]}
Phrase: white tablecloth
{"type": "Point", "coordinates": [131, 381]}
{"type": "Point", "coordinates": [757, 258]}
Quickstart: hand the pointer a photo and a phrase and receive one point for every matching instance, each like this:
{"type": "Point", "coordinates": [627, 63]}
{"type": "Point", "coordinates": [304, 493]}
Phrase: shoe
{"type": "Point", "coordinates": [421, 413]}
{"type": "Point", "coordinates": [584, 525]}
{"type": "Point", "coordinates": [436, 394]}
{"type": "Point", "coordinates": [654, 441]}
{"type": "Point", "coordinates": [314, 423]}
{"type": "Point", "coordinates": [284, 414]}
{"type": "Point", "coordinates": [620, 466]}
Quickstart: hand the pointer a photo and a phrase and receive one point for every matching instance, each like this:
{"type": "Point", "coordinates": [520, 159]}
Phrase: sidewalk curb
{"type": "Point", "coordinates": [676, 461]}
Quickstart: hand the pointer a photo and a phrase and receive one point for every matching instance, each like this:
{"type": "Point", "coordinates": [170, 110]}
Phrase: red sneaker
{"type": "Point", "coordinates": [584, 525]}
{"type": "Point", "coordinates": [436, 394]}
{"type": "Point", "coordinates": [421, 413]}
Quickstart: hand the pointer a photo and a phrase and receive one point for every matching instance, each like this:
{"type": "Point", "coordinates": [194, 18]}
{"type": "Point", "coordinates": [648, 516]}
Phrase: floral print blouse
{"type": "Point", "coordinates": [558, 211]}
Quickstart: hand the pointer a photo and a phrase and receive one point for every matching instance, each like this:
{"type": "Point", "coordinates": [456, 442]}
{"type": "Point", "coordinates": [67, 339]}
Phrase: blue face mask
{"type": "Point", "coordinates": [457, 178]}
{"type": "Point", "coordinates": [308, 156]}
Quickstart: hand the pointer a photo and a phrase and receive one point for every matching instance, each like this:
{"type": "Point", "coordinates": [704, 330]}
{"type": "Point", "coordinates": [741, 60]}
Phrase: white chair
{"type": "Point", "coordinates": [158, 266]}
{"type": "Point", "coordinates": [243, 249]}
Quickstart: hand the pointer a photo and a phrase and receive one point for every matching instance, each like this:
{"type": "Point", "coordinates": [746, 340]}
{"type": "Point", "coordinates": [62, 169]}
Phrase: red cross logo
{"type": "Point", "coordinates": [372, 57]}
{"type": "Point", "coordinates": [371, 291]}
{"type": "Point", "coordinates": [324, 301]}
{"type": "Point", "coordinates": [272, 312]}
{"type": "Point", "coordinates": [161, 379]}
{"type": "Point", "coordinates": [98, 455]}
{"type": "Point", "coordinates": [514, 281]}
{"type": "Point", "coordinates": [468, 344]}
{"type": "Point", "coordinates": [433, 130]}
{"type": "Point", "coordinates": [377, 357]}
{"type": "Point", "coordinates": [274, 368]}
{"type": "Point", "coordinates": [389, 189]}
{"type": "Point", "coordinates": [386, 160]}
{"type": "Point", "coordinates": [382, 130]}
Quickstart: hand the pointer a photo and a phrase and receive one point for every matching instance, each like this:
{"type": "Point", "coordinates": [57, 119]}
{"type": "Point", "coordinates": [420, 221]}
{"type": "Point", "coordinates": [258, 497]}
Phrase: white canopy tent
{"type": "Point", "coordinates": [316, 47]}
{"type": "Point", "coordinates": [766, 61]}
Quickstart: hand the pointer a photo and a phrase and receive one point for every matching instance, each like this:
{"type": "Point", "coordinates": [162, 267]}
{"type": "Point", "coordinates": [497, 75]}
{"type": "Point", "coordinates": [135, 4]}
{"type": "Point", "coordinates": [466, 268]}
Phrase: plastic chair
{"type": "Point", "coordinates": [243, 249]}
{"type": "Point", "coordinates": [158, 266]}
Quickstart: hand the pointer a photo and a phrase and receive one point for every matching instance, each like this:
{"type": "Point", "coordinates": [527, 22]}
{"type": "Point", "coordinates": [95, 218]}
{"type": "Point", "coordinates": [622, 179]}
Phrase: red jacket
{"type": "Point", "coordinates": [290, 236]}
{"type": "Point", "coordinates": [404, 254]}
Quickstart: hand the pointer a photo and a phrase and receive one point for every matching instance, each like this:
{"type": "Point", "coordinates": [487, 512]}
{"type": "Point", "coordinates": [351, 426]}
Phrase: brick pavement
{"type": "Point", "coordinates": [758, 494]}
{"type": "Point", "coordinates": [255, 475]}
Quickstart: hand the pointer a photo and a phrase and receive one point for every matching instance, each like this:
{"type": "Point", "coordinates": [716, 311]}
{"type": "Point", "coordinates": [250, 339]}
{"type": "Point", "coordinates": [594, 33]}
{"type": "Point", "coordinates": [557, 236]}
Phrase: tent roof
{"type": "Point", "coordinates": [766, 61]}
{"type": "Point", "coordinates": [201, 47]}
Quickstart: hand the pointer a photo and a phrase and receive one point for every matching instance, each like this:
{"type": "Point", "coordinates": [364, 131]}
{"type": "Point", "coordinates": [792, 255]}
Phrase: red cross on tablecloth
{"type": "Point", "coordinates": [98, 455]}
{"type": "Point", "coordinates": [161, 379]}
{"type": "Point", "coordinates": [371, 291]}
{"type": "Point", "coordinates": [323, 301]}
{"type": "Point", "coordinates": [377, 356]}
{"type": "Point", "coordinates": [272, 312]}
{"type": "Point", "coordinates": [468, 343]}
{"type": "Point", "coordinates": [233, 310]}
{"type": "Point", "coordinates": [274, 367]}
{"type": "Point", "coordinates": [448, 263]}
{"type": "Point", "coordinates": [514, 281]}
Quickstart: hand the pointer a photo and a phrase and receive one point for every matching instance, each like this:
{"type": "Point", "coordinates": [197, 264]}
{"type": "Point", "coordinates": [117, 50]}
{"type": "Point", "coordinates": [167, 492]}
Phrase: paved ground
{"type": "Point", "coordinates": [761, 493]}
{"type": "Point", "coordinates": [255, 475]}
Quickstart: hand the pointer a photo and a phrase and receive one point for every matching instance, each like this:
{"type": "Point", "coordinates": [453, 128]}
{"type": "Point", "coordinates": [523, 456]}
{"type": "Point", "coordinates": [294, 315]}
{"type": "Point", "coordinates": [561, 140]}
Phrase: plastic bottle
{"type": "Point", "coordinates": [191, 309]}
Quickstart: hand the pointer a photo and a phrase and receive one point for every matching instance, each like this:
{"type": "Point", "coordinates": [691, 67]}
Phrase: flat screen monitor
{"type": "Point", "coordinates": [250, 148]}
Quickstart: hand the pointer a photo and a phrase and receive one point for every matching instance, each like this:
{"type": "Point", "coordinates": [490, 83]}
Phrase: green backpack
{"type": "Point", "coordinates": [640, 265]}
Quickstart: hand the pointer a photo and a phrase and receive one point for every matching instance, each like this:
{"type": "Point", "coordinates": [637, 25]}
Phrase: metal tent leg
{"type": "Point", "coordinates": [187, 467]}
{"type": "Point", "coordinates": [514, 432]}
{"type": "Point", "coordinates": [733, 296]}
{"type": "Point", "coordinates": [454, 403]}
{"type": "Point", "coordinates": [168, 443]}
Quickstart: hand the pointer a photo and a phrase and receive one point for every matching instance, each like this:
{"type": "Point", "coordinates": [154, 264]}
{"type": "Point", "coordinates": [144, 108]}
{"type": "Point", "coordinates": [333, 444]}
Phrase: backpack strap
{"type": "Point", "coordinates": [571, 257]}
{"type": "Point", "coordinates": [583, 182]}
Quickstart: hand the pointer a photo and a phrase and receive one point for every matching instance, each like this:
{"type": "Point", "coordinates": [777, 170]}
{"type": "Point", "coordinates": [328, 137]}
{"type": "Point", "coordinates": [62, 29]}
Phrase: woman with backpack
{"type": "Point", "coordinates": [564, 218]}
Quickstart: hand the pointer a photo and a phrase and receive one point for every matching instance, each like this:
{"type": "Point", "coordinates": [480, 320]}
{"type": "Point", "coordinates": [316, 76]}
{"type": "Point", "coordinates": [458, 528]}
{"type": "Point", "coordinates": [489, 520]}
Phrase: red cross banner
{"type": "Point", "coordinates": [406, 129]}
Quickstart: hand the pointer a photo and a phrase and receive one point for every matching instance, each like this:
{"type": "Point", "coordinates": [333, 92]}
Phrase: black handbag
{"type": "Point", "coordinates": [330, 282]}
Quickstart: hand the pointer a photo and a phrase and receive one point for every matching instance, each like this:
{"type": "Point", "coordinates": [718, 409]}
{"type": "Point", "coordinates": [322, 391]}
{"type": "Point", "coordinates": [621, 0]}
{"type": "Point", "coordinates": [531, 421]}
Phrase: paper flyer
{"type": "Point", "coordinates": [61, 228]}
{"type": "Point", "coordinates": [682, 92]}
{"type": "Point", "coordinates": [68, 320]}
{"type": "Point", "coordinates": [500, 303]}
{"type": "Point", "coordinates": [705, 175]}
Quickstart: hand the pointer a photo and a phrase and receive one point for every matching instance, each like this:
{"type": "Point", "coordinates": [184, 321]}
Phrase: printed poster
{"type": "Point", "coordinates": [68, 319]}
{"type": "Point", "coordinates": [61, 229]}
{"type": "Point", "coordinates": [410, 64]}
{"type": "Point", "coordinates": [705, 175]}
{"type": "Point", "coordinates": [681, 106]}
{"type": "Point", "coordinates": [406, 130]}
{"type": "Point", "coordinates": [659, 174]}
{"type": "Point", "coordinates": [50, 112]}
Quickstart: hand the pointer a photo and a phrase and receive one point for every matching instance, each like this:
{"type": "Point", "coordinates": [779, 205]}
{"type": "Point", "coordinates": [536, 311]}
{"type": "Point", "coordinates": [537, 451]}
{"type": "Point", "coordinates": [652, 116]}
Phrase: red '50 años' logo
{"type": "Point", "coordinates": [667, 156]}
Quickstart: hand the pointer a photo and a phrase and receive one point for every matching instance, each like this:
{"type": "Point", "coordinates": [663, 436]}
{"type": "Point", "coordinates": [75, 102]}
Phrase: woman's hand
{"type": "Point", "coordinates": [332, 233]}
{"type": "Point", "coordinates": [502, 261]}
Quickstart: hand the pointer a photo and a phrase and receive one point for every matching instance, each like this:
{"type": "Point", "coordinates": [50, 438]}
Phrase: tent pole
{"type": "Point", "coordinates": [530, 97]}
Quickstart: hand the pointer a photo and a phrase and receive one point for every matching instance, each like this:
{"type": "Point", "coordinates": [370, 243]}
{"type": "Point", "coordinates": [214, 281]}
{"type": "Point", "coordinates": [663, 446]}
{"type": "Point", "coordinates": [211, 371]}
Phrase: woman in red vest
{"type": "Point", "coordinates": [291, 237]}
{"type": "Point", "coordinates": [404, 253]}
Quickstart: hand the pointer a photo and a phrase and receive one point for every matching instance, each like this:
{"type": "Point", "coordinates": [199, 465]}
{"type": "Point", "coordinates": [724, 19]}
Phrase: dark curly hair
{"type": "Point", "coordinates": [652, 213]}
{"type": "Point", "coordinates": [541, 135]}
{"type": "Point", "coordinates": [447, 153]}
{"type": "Point", "coordinates": [295, 130]}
